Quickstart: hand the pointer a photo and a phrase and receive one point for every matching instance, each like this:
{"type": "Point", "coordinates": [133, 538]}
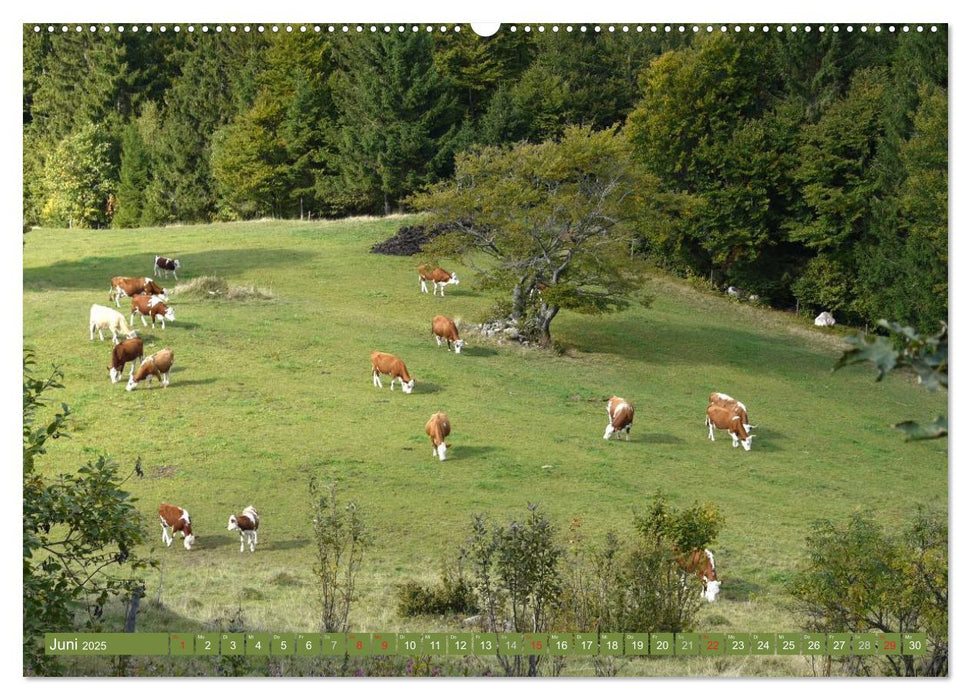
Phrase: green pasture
{"type": "Point", "coordinates": [265, 394]}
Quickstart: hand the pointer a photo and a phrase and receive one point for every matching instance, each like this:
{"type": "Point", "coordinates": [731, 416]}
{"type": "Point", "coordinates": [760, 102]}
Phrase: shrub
{"type": "Point", "coordinates": [454, 594]}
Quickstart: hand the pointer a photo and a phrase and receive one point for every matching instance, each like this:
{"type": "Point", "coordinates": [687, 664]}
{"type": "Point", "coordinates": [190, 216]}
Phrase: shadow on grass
{"type": "Point", "coordinates": [192, 382]}
{"type": "Point", "coordinates": [231, 539]}
{"type": "Point", "coordinates": [739, 589]}
{"type": "Point", "coordinates": [479, 351]}
{"type": "Point", "coordinates": [659, 439]}
{"type": "Point", "coordinates": [463, 451]}
{"type": "Point", "coordinates": [95, 272]}
{"type": "Point", "coordinates": [427, 387]}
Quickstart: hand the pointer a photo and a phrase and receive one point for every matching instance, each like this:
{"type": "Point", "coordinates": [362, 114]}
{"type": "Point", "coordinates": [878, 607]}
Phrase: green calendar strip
{"type": "Point", "coordinates": [361, 644]}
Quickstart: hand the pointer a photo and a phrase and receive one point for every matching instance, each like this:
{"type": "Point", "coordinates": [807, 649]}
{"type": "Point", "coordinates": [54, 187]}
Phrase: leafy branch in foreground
{"type": "Point", "coordinates": [71, 559]}
{"type": "Point", "coordinates": [925, 354]}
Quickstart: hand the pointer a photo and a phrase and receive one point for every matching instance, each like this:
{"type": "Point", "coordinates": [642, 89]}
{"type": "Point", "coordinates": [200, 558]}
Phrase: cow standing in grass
{"type": "Point", "coordinates": [248, 523]}
{"type": "Point", "coordinates": [437, 276]}
{"type": "Point", "coordinates": [438, 428]}
{"type": "Point", "coordinates": [386, 363]}
{"type": "Point", "coordinates": [151, 306]}
{"type": "Point", "coordinates": [129, 350]}
{"type": "Point", "coordinates": [731, 419]}
{"type": "Point", "coordinates": [445, 329]}
{"type": "Point", "coordinates": [163, 266]}
{"type": "Point", "coordinates": [701, 563]}
{"type": "Point", "coordinates": [620, 413]}
{"type": "Point", "coordinates": [157, 366]}
{"type": "Point", "coordinates": [130, 286]}
{"type": "Point", "coordinates": [105, 318]}
{"type": "Point", "coordinates": [176, 519]}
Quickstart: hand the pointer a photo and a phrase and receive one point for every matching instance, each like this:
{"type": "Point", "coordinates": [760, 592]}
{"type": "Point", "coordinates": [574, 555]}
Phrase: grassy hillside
{"type": "Point", "coordinates": [266, 393]}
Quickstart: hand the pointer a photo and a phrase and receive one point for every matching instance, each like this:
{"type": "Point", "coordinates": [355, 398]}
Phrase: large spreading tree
{"type": "Point", "coordinates": [554, 220]}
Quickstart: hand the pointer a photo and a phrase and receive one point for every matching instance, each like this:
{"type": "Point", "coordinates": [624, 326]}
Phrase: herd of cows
{"type": "Point", "coordinates": [149, 300]}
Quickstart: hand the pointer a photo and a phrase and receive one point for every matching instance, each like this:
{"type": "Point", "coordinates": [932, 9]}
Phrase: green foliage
{"type": "Point", "coordinates": [824, 284]}
{"type": "Point", "coordinates": [80, 531]}
{"type": "Point", "coordinates": [453, 595]}
{"type": "Point", "coordinates": [340, 539]}
{"type": "Point", "coordinates": [683, 530]}
{"type": "Point", "coordinates": [861, 578]}
{"type": "Point", "coordinates": [926, 355]}
{"type": "Point", "coordinates": [134, 178]}
{"type": "Point", "coordinates": [399, 117]}
{"type": "Point", "coordinates": [516, 573]}
{"type": "Point", "coordinates": [554, 218]}
{"type": "Point", "coordinates": [78, 181]}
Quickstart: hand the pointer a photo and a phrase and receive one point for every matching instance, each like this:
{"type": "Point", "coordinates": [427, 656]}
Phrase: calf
{"type": "Point", "coordinates": [158, 366]}
{"type": "Point", "coordinates": [731, 419]}
{"type": "Point", "coordinates": [438, 277]}
{"type": "Point", "coordinates": [178, 520]}
{"type": "Point", "coordinates": [444, 329]}
{"type": "Point", "coordinates": [385, 363]}
{"type": "Point", "coordinates": [105, 318]}
{"type": "Point", "coordinates": [165, 265]}
{"type": "Point", "coordinates": [620, 413]}
{"type": "Point", "coordinates": [126, 351]}
{"type": "Point", "coordinates": [438, 428]}
{"type": "Point", "coordinates": [248, 522]}
{"type": "Point", "coordinates": [151, 306]}
{"type": "Point", "coordinates": [130, 286]}
{"type": "Point", "coordinates": [702, 564]}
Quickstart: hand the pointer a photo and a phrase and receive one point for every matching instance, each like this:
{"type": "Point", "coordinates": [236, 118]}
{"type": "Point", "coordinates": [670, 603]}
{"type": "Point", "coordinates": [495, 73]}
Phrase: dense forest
{"type": "Point", "coordinates": [805, 167]}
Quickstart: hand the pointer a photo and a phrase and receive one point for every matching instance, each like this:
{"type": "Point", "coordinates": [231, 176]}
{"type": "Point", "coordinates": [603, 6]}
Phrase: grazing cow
{"type": "Point", "coordinates": [385, 363]}
{"type": "Point", "coordinates": [620, 413]}
{"type": "Point", "coordinates": [444, 329]}
{"type": "Point", "coordinates": [702, 564]}
{"type": "Point", "coordinates": [151, 306]}
{"type": "Point", "coordinates": [825, 319]}
{"type": "Point", "coordinates": [105, 318]}
{"type": "Point", "coordinates": [248, 522]}
{"type": "Point", "coordinates": [158, 366]}
{"type": "Point", "coordinates": [163, 266]}
{"type": "Point", "coordinates": [130, 286]}
{"type": "Point", "coordinates": [731, 419]}
{"type": "Point", "coordinates": [178, 520]}
{"type": "Point", "coordinates": [438, 428]}
{"type": "Point", "coordinates": [438, 277]}
{"type": "Point", "coordinates": [126, 351]}
{"type": "Point", "coordinates": [725, 401]}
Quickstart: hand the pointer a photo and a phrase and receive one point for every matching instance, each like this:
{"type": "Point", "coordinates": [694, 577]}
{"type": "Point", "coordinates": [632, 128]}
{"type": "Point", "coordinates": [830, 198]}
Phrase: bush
{"type": "Point", "coordinates": [453, 595]}
{"type": "Point", "coordinates": [863, 578]}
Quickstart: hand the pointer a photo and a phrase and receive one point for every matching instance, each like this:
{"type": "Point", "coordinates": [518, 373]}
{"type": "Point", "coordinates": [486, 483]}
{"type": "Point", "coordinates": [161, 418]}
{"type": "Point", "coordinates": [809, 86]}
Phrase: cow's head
{"type": "Point", "coordinates": [454, 279]}
{"type": "Point", "coordinates": [189, 541]}
{"type": "Point", "coordinates": [233, 525]}
{"type": "Point", "coordinates": [711, 590]}
{"type": "Point", "coordinates": [131, 383]}
{"type": "Point", "coordinates": [114, 374]}
{"type": "Point", "coordinates": [609, 431]}
{"type": "Point", "coordinates": [747, 443]}
{"type": "Point", "coordinates": [441, 451]}
{"type": "Point", "coordinates": [169, 314]}
{"type": "Point", "coordinates": [408, 386]}
{"type": "Point", "coordinates": [458, 345]}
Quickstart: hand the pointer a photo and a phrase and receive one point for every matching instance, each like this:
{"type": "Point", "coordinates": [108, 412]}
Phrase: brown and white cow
{"type": "Point", "coordinates": [248, 523]}
{"type": "Point", "coordinates": [701, 562]}
{"type": "Point", "coordinates": [130, 286]}
{"type": "Point", "coordinates": [437, 276]}
{"type": "Point", "coordinates": [129, 350]}
{"type": "Point", "coordinates": [620, 413]}
{"type": "Point", "coordinates": [726, 401]}
{"type": "Point", "coordinates": [385, 363]}
{"type": "Point", "coordinates": [734, 420]}
{"type": "Point", "coordinates": [163, 266]}
{"type": "Point", "coordinates": [105, 318]}
{"type": "Point", "coordinates": [158, 366]}
{"type": "Point", "coordinates": [438, 428]}
{"type": "Point", "coordinates": [178, 520]}
{"type": "Point", "coordinates": [151, 306]}
{"type": "Point", "coordinates": [445, 329]}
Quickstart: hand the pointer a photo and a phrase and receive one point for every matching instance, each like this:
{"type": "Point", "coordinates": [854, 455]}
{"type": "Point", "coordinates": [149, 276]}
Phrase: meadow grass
{"type": "Point", "coordinates": [266, 392]}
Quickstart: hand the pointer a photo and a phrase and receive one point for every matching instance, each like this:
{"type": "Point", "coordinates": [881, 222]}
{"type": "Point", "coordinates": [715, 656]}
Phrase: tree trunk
{"type": "Point", "coordinates": [387, 205]}
{"type": "Point", "coordinates": [544, 319]}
